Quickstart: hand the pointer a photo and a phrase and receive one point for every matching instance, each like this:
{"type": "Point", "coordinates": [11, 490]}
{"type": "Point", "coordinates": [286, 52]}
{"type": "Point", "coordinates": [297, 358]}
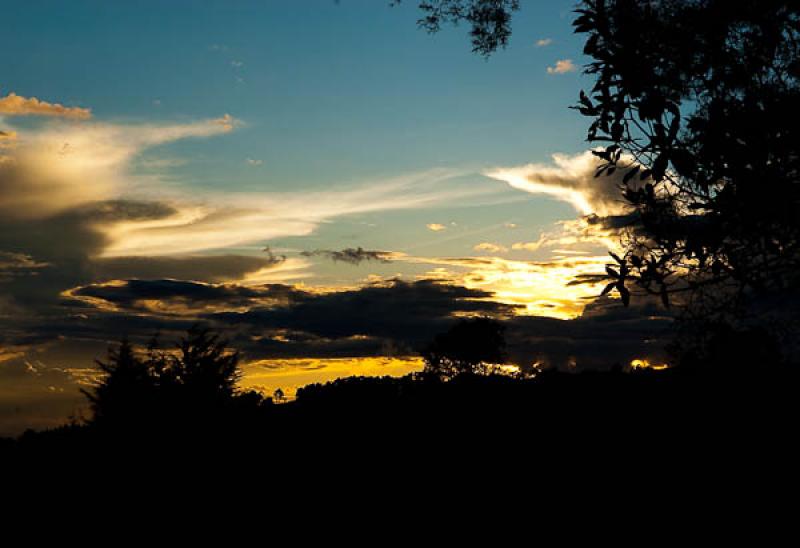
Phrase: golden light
{"type": "Point", "coordinates": [290, 374]}
{"type": "Point", "coordinates": [645, 364]}
{"type": "Point", "coordinates": [541, 287]}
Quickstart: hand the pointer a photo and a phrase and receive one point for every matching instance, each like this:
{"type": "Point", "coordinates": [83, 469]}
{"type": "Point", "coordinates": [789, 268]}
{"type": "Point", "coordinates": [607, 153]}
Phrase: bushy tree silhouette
{"type": "Point", "coordinates": [470, 347]}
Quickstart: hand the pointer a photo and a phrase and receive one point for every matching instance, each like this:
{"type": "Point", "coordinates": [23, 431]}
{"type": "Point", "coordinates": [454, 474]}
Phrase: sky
{"type": "Point", "coordinates": [323, 181]}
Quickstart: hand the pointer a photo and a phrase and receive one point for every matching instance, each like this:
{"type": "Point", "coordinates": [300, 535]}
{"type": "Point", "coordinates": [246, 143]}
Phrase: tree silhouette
{"type": "Point", "coordinates": [129, 385]}
{"type": "Point", "coordinates": [197, 379]}
{"type": "Point", "coordinates": [204, 366]}
{"type": "Point", "coordinates": [489, 20]}
{"type": "Point", "coordinates": [697, 102]}
{"type": "Point", "coordinates": [696, 105]}
{"type": "Point", "coordinates": [470, 347]}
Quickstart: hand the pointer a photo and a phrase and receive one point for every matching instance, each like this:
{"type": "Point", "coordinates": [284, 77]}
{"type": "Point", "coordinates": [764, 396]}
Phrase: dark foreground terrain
{"type": "Point", "coordinates": [653, 416]}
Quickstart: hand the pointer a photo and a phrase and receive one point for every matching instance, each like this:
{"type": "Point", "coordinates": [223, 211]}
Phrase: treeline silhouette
{"type": "Point", "coordinates": [186, 399]}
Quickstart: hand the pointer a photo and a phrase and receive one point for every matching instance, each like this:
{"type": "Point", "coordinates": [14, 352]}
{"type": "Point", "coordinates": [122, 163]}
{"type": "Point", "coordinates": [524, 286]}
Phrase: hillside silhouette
{"type": "Point", "coordinates": [181, 400]}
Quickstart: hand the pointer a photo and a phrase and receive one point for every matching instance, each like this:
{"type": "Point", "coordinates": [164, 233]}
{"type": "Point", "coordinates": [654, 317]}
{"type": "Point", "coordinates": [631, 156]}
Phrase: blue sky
{"type": "Point", "coordinates": [329, 91]}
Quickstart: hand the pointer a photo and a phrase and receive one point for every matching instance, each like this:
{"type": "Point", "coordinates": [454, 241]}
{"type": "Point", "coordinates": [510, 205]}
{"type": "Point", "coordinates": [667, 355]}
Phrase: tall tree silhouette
{"type": "Point", "coordinates": [126, 391]}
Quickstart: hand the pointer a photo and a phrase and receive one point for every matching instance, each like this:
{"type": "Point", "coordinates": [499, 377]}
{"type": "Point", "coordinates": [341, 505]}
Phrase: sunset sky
{"type": "Point", "coordinates": [323, 181]}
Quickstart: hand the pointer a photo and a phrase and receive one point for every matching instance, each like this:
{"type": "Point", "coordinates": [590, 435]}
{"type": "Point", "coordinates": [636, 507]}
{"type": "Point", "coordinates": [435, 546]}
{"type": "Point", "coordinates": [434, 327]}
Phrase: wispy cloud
{"type": "Point", "coordinates": [562, 66]}
{"type": "Point", "coordinates": [490, 247]}
{"type": "Point", "coordinates": [570, 178]}
{"type": "Point", "coordinates": [218, 220]}
{"type": "Point", "coordinates": [543, 42]}
{"type": "Point", "coordinates": [16, 105]}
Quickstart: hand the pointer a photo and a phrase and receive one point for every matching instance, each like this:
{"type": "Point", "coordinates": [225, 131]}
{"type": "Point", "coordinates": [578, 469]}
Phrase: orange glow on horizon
{"type": "Point", "coordinates": [645, 364]}
{"type": "Point", "coordinates": [289, 374]}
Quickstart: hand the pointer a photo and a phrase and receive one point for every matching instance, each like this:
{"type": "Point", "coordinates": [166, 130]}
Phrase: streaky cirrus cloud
{"type": "Point", "coordinates": [227, 219]}
{"type": "Point", "coordinates": [17, 105]}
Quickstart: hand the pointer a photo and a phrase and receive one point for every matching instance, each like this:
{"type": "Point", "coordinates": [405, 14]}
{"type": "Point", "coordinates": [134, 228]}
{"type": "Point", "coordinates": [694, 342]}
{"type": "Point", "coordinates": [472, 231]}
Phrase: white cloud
{"type": "Point", "coordinates": [254, 162]}
{"type": "Point", "coordinates": [570, 179]}
{"type": "Point", "coordinates": [562, 66]}
{"type": "Point", "coordinates": [543, 42]}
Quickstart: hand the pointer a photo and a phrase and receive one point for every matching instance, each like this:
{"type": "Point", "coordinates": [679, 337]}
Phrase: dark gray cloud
{"type": "Point", "coordinates": [605, 335]}
{"type": "Point", "coordinates": [614, 222]}
{"type": "Point", "coordinates": [66, 242]}
{"type": "Point", "coordinates": [14, 265]}
{"type": "Point", "coordinates": [410, 312]}
{"type": "Point", "coordinates": [398, 317]}
{"type": "Point", "coordinates": [351, 255]}
{"type": "Point", "coordinates": [42, 257]}
{"type": "Point", "coordinates": [129, 293]}
{"type": "Point", "coordinates": [406, 312]}
{"type": "Point", "coordinates": [209, 268]}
